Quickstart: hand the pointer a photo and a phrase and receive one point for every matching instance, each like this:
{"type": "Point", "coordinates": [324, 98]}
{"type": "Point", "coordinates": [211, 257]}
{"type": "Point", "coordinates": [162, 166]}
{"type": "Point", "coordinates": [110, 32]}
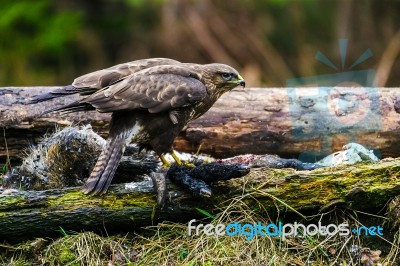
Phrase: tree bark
{"type": "Point", "coordinates": [285, 121]}
{"type": "Point", "coordinates": [364, 187]}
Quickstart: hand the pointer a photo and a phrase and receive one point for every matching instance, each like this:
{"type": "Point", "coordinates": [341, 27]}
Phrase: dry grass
{"type": "Point", "coordinates": [169, 244]}
{"type": "Point", "coordinates": [81, 249]}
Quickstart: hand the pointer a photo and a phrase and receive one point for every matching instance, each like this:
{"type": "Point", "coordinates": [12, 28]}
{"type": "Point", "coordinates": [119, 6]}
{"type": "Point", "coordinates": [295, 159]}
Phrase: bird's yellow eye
{"type": "Point", "coordinates": [226, 76]}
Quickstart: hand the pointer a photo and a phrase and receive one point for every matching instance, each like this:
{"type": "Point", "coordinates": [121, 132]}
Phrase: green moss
{"type": "Point", "coordinates": [311, 189]}
{"type": "Point", "coordinates": [112, 201]}
{"type": "Point", "coordinates": [67, 256]}
{"type": "Point", "coordinates": [71, 196]}
{"type": "Point", "coordinates": [12, 201]}
{"type": "Point", "coordinates": [18, 262]}
{"type": "Point", "coordinates": [84, 249]}
{"type": "Point", "coordinates": [115, 202]}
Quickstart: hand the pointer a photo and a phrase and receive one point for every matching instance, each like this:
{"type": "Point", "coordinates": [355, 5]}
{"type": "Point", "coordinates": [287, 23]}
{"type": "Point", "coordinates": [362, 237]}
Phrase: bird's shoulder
{"type": "Point", "coordinates": [158, 88]}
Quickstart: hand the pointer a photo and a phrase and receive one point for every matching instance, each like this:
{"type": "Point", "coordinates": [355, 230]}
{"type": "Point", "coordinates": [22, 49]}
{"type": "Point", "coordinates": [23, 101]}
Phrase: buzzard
{"type": "Point", "coordinates": [151, 101]}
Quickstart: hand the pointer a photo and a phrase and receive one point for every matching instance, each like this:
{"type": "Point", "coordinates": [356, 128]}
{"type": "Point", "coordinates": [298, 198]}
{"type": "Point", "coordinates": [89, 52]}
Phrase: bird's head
{"type": "Point", "coordinates": [223, 77]}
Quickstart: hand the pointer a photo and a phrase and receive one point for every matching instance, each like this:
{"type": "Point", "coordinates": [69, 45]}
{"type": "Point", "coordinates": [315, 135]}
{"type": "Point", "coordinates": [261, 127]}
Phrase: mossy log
{"type": "Point", "coordinates": [282, 121]}
{"type": "Point", "coordinates": [364, 187]}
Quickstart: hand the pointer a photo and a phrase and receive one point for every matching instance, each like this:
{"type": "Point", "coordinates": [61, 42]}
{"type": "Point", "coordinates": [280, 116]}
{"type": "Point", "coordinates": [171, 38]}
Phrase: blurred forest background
{"type": "Point", "coordinates": [46, 42]}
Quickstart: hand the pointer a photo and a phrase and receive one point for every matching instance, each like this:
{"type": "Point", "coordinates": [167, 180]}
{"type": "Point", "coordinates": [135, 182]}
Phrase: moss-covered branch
{"type": "Point", "coordinates": [366, 187]}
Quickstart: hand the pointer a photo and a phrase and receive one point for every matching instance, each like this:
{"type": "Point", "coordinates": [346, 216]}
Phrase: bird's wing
{"type": "Point", "coordinates": [156, 89]}
{"type": "Point", "coordinates": [106, 77]}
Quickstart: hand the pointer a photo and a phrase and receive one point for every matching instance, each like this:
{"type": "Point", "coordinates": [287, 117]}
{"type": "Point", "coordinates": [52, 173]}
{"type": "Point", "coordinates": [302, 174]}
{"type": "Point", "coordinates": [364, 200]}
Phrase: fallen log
{"type": "Point", "coordinates": [364, 187]}
{"type": "Point", "coordinates": [282, 121]}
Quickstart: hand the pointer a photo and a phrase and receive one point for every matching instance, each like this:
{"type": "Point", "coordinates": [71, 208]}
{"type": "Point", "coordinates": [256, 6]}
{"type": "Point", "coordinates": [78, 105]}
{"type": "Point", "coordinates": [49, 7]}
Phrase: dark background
{"type": "Point", "coordinates": [45, 42]}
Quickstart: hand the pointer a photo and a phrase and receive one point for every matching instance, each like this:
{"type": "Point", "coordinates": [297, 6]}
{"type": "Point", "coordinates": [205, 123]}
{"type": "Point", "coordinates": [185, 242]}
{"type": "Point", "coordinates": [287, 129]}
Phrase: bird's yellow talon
{"type": "Point", "coordinates": [176, 158]}
{"type": "Point", "coordinates": [164, 161]}
{"type": "Point", "coordinates": [177, 161]}
{"type": "Point", "coordinates": [189, 164]}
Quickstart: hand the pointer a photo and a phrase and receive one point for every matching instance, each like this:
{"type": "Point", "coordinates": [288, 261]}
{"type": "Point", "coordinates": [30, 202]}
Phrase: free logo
{"type": "Point", "coordinates": [249, 231]}
{"type": "Point", "coordinates": [338, 109]}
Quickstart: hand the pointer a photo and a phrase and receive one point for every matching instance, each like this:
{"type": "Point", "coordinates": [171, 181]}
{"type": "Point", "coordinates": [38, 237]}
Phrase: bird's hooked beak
{"type": "Point", "coordinates": [241, 81]}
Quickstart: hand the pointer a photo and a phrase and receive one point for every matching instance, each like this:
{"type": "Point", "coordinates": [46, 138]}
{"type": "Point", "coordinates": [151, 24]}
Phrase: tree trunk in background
{"type": "Point", "coordinates": [310, 122]}
{"type": "Point", "coordinates": [388, 59]}
{"type": "Point", "coordinates": [343, 17]}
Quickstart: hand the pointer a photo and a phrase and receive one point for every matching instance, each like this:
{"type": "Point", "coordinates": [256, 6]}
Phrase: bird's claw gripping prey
{"type": "Point", "coordinates": [151, 101]}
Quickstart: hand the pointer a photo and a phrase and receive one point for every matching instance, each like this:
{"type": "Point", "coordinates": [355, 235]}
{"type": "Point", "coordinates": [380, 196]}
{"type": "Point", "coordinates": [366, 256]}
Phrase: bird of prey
{"type": "Point", "coordinates": [151, 101]}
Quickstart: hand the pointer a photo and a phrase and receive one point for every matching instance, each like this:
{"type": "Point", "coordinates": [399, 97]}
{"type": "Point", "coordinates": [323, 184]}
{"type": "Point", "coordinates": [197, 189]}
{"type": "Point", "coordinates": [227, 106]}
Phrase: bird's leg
{"type": "Point", "coordinates": [164, 161]}
{"type": "Point", "coordinates": [176, 158]}
{"type": "Point", "coordinates": [178, 161]}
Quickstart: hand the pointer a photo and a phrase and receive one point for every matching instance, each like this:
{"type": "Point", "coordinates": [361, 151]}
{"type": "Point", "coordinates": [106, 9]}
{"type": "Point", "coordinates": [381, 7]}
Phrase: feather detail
{"type": "Point", "coordinates": [104, 170]}
{"type": "Point", "coordinates": [173, 117]}
{"type": "Point", "coordinates": [67, 90]}
{"type": "Point", "coordinates": [121, 132]}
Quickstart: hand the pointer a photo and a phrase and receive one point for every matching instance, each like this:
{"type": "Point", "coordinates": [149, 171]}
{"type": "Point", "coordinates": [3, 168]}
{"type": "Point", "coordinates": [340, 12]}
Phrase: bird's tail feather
{"type": "Point", "coordinates": [122, 128]}
{"type": "Point", "coordinates": [104, 170]}
{"type": "Point", "coordinates": [67, 90]}
{"type": "Point", "coordinates": [61, 92]}
{"type": "Point", "coordinates": [72, 107]}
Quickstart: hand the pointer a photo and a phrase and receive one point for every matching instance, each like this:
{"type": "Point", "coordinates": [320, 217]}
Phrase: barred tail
{"type": "Point", "coordinates": [104, 170]}
{"type": "Point", "coordinates": [122, 128]}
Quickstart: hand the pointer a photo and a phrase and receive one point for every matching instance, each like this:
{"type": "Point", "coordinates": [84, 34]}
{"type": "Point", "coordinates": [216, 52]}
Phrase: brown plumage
{"type": "Point", "coordinates": [151, 100]}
